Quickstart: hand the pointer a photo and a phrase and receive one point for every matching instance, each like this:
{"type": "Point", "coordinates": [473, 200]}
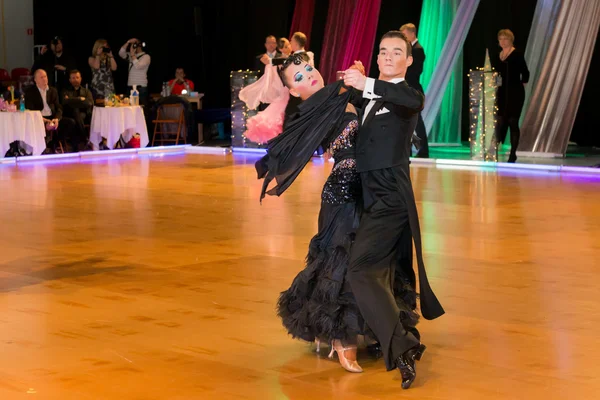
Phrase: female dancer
{"type": "Point", "coordinates": [319, 306]}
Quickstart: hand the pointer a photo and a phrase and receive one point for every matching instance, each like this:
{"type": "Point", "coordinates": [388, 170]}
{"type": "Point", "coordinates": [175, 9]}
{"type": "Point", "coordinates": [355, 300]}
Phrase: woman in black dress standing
{"type": "Point", "coordinates": [511, 94]}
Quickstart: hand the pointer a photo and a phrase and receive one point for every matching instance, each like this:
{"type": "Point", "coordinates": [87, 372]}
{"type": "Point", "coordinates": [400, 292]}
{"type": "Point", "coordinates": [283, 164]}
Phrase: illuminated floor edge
{"type": "Point", "coordinates": [484, 165]}
{"type": "Point", "coordinates": [107, 154]}
{"type": "Point", "coordinates": [189, 149]}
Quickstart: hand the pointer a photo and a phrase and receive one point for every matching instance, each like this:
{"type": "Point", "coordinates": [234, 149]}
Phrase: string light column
{"type": "Point", "coordinates": [239, 111]}
{"type": "Point", "coordinates": [483, 84]}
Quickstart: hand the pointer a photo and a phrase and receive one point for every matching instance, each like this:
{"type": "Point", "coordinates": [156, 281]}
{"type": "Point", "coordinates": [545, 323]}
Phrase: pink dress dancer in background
{"type": "Point", "coordinates": [269, 89]}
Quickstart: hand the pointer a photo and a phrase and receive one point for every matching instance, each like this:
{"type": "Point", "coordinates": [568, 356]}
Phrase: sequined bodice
{"type": "Point", "coordinates": [344, 144]}
{"type": "Point", "coordinates": [343, 184]}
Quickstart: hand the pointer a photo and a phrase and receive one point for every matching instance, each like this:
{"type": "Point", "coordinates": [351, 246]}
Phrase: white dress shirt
{"type": "Point", "coordinates": [368, 94]}
{"type": "Point", "coordinates": [46, 112]}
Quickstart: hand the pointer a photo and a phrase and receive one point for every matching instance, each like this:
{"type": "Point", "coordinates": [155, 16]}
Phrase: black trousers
{"type": "Point", "coordinates": [382, 245]}
{"type": "Point", "coordinates": [66, 130]}
{"type": "Point", "coordinates": [502, 125]}
{"type": "Point", "coordinates": [79, 135]}
{"type": "Point", "coordinates": [422, 134]}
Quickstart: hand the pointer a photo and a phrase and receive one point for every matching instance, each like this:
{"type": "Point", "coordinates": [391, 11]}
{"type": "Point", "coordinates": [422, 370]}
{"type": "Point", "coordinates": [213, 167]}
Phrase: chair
{"type": "Point", "coordinates": [4, 75]}
{"type": "Point", "coordinates": [169, 121]}
{"type": "Point", "coordinates": [49, 138]}
{"type": "Point", "coordinates": [19, 72]}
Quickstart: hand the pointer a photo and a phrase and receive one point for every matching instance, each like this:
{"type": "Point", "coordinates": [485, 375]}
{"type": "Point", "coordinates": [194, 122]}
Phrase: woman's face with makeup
{"type": "Point", "coordinates": [303, 80]}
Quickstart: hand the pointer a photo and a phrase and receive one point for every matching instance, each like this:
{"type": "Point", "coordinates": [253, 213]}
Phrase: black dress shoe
{"type": "Point", "coordinates": [374, 350]}
{"type": "Point", "coordinates": [406, 364]}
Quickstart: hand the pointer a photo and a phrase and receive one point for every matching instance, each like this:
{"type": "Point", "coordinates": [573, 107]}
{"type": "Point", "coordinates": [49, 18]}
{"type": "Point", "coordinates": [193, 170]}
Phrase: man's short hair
{"type": "Point", "coordinates": [409, 27]}
{"type": "Point", "coordinates": [269, 37]}
{"type": "Point", "coordinates": [74, 71]}
{"type": "Point", "coordinates": [399, 35]}
{"type": "Point", "coordinates": [35, 73]}
{"type": "Point", "coordinates": [300, 38]}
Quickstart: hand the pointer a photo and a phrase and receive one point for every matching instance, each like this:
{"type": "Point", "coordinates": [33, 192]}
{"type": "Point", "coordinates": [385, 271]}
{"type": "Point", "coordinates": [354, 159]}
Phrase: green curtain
{"type": "Point", "coordinates": [436, 21]}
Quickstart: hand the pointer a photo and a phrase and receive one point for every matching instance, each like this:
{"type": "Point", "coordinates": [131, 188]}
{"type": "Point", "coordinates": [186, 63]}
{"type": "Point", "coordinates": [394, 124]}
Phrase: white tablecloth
{"type": "Point", "coordinates": [112, 122]}
{"type": "Point", "coordinates": [27, 126]}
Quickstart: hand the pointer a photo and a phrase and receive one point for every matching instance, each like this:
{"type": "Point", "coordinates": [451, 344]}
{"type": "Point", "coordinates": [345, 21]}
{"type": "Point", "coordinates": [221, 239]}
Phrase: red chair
{"type": "Point", "coordinates": [19, 72]}
{"type": "Point", "coordinates": [4, 75]}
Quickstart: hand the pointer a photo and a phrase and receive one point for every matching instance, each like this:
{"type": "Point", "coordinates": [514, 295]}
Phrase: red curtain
{"type": "Point", "coordinates": [361, 38]}
{"type": "Point", "coordinates": [339, 18]}
{"type": "Point", "coordinates": [304, 12]}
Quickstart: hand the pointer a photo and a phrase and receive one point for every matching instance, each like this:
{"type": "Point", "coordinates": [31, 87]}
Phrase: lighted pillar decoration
{"type": "Point", "coordinates": [239, 111]}
{"type": "Point", "coordinates": [483, 83]}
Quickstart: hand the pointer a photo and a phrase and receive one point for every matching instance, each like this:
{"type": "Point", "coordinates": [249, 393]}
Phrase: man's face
{"type": "Point", "coordinates": [179, 74]}
{"type": "Point", "coordinates": [137, 49]}
{"type": "Point", "coordinates": [392, 59]}
{"type": "Point", "coordinates": [295, 45]}
{"type": "Point", "coordinates": [41, 79]}
{"type": "Point", "coordinates": [58, 47]}
{"type": "Point", "coordinates": [75, 80]}
{"type": "Point", "coordinates": [271, 44]}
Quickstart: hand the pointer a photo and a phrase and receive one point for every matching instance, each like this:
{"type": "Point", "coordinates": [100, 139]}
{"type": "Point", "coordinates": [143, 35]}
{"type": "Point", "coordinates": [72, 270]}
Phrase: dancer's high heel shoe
{"type": "Point", "coordinates": [348, 365]}
{"type": "Point", "coordinates": [318, 345]}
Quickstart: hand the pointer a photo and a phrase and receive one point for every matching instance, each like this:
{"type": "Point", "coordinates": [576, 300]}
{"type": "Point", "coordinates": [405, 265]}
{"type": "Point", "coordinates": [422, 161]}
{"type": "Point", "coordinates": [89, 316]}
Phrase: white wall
{"type": "Point", "coordinates": [18, 18]}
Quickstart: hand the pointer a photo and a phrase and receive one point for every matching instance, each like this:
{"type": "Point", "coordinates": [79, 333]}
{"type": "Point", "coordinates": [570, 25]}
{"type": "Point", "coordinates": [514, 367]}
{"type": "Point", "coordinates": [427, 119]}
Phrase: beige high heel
{"type": "Point", "coordinates": [348, 365]}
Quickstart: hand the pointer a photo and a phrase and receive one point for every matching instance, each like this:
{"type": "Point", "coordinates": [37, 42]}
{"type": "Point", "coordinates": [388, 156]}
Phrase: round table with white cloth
{"type": "Point", "coordinates": [27, 126]}
{"type": "Point", "coordinates": [112, 122]}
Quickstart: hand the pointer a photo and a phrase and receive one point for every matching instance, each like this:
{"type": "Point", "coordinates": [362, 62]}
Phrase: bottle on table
{"type": "Point", "coordinates": [134, 96]}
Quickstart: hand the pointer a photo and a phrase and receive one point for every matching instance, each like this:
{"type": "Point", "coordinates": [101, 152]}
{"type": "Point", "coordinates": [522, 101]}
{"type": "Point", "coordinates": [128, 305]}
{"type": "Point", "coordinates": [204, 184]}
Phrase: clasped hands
{"type": "Point", "coordinates": [355, 76]}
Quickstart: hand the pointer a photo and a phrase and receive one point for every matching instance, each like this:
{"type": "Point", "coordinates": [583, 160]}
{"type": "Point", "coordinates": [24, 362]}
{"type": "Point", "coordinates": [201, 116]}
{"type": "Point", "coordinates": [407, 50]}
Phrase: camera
{"type": "Point", "coordinates": [106, 50]}
{"type": "Point", "coordinates": [138, 44]}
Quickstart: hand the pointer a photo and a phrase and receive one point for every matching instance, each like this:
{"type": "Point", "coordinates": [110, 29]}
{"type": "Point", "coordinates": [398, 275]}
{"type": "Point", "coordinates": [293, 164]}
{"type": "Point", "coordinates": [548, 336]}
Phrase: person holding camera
{"type": "Point", "coordinates": [102, 64]}
{"type": "Point", "coordinates": [56, 62]}
{"type": "Point", "coordinates": [139, 62]}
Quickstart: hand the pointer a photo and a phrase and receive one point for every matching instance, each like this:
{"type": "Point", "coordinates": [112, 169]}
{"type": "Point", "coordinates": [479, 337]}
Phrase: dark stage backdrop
{"type": "Point", "coordinates": [208, 38]}
{"type": "Point", "coordinates": [585, 131]}
{"type": "Point", "coordinates": [491, 16]}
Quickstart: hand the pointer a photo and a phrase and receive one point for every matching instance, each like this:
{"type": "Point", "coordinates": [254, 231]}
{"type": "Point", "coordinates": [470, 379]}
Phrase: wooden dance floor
{"type": "Point", "coordinates": [157, 277]}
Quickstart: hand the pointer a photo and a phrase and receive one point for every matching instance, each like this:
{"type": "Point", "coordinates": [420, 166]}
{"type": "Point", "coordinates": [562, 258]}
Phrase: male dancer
{"type": "Point", "coordinates": [390, 217]}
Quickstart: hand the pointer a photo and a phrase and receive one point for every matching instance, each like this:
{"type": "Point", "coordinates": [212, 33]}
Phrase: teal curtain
{"type": "Point", "coordinates": [436, 21]}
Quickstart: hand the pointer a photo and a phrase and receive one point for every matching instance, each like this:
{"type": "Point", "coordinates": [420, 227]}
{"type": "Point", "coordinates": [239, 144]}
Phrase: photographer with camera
{"type": "Point", "coordinates": [139, 61]}
{"type": "Point", "coordinates": [56, 62]}
{"type": "Point", "coordinates": [102, 64]}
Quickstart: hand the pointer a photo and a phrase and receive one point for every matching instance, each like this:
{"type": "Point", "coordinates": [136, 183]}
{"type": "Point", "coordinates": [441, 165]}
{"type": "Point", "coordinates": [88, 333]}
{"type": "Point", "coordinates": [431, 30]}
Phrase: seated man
{"type": "Point", "coordinates": [77, 102]}
{"type": "Point", "coordinates": [179, 84]}
{"type": "Point", "coordinates": [44, 98]}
